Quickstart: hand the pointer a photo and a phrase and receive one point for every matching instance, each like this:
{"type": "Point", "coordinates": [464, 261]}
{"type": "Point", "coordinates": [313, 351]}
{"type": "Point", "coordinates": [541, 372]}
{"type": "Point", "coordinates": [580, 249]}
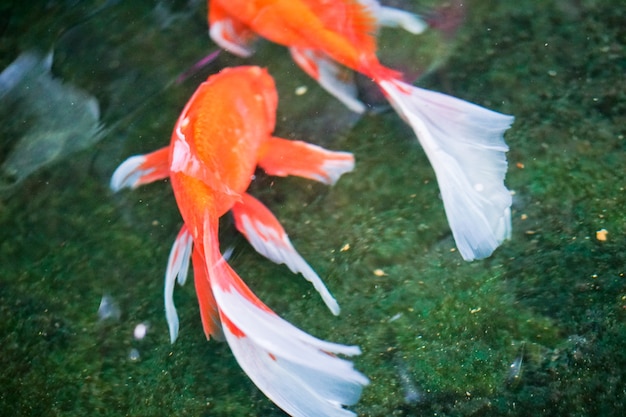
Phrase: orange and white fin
{"type": "Point", "coordinates": [268, 237]}
{"type": "Point", "coordinates": [464, 143]}
{"type": "Point", "coordinates": [300, 373]}
{"type": "Point", "coordinates": [229, 33]}
{"type": "Point", "coordinates": [177, 270]}
{"type": "Point", "coordinates": [332, 77]}
{"type": "Point", "coordinates": [141, 169]}
{"type": "Point", "coordinates": [282, 157]}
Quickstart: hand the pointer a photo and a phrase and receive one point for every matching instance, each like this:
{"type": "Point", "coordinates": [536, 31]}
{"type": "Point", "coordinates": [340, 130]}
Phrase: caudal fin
{"type": "Point", "coordinates": [464, 143]}
{"type": "Point", "coordinates": [298, 372]}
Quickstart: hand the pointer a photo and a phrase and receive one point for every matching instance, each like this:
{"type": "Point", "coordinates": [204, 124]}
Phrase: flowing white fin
{"type": "Point", "coordinates": [464, 143]}
{"type": "Point", "coordinates": [177, 270]}
{"type": "Point", "coordinates": [332, 77]}
{"type": "Point", "coordinates": [392, 17]}
{"type": "Point", "coordinates": [268, 237]}
{"type": "Point", "coordinates": [298, 372]}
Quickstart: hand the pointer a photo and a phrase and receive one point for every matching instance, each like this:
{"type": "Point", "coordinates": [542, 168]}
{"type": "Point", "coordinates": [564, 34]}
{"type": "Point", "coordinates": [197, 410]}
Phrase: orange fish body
{"type": "Point", "coordinates": [464, 142]}
{"type": "Point", "coordinates": [214, 173]}
{"type": "Point", "coordinates": [342, 29]}
{"type": "Point", "coordinates": [222, 135]}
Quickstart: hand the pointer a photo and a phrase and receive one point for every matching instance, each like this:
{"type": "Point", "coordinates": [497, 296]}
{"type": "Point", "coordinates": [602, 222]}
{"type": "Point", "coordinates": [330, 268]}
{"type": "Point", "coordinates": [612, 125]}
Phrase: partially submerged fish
{"type": "Point", "coordinates": [44, 119]}
{"type": "Point", "coordinates": [223, 133]}
{"type": "Point", "coordinates": [464, 142]}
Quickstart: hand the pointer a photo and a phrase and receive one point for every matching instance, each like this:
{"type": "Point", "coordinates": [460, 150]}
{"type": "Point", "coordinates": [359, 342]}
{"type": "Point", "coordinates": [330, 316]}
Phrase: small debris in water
{"type": "Point", "coordinates": [515, 369]}
{"type": "Point", "coordinates": [108, 308]}
{"type": "Point", "coordinates": [602, 235]}
{"type": "Point", "coordinates": [134, 355]}
{"type": "Point", "coordinates": [412, 394]}
{"type": "Point", "coordinates": [394, 317]}
{"type": "Point", "coordinates": [140, 331]}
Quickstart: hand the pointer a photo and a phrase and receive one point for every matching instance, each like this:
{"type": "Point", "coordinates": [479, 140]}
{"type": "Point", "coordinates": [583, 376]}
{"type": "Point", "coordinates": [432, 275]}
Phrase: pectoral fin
{"type": "Point", "coordinates": [141, 169]}
{"type": "Point", "coordinates": [268, 238]}
{"type": "Point", "coordinates": [230, 33]}
{"type": "Point", "coordinates": [332, 77]}
{"type": "Point", "coordinates": [282, 157]}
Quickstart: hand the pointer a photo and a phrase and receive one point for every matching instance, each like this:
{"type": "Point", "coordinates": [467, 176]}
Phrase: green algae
{"type": "Point", "coordinates": [439, 336]}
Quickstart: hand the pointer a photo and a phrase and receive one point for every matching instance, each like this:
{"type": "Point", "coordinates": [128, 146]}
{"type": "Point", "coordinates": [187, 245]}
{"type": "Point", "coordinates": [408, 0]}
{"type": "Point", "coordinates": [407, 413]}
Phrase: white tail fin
{"type": "Point", "coordinates": [464, 143]}
{"type": "Point", "coordinates": [298, 372]}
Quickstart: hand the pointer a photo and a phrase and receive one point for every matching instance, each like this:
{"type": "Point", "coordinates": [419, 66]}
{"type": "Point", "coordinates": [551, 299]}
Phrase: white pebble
{"type": "Point", "coordinates": [140, 331]}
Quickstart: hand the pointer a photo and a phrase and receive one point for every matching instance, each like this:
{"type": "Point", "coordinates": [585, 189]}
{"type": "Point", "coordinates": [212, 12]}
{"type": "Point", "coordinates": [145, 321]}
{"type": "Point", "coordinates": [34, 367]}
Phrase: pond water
{"type": "Point", "coordinates": [538, 328]}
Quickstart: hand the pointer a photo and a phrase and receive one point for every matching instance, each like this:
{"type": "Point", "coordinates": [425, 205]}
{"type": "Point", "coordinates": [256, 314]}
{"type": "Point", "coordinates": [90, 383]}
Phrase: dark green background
{"type": "Point", "coordinates": [439, 336]}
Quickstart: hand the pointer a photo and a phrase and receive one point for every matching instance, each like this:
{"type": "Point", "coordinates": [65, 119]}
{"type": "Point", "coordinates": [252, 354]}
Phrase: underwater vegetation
{"type": "Point", "coordinates": [538, 328]}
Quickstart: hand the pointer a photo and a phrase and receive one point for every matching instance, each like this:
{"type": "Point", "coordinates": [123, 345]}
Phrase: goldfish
{"type": "Point", "coordinates": [223, 133]}
{"type": "Point", "coordinates": [463, 141]}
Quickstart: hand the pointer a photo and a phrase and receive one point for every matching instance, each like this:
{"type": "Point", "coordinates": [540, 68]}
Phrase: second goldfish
{"type": "Point", "coordinates": [464, 142]}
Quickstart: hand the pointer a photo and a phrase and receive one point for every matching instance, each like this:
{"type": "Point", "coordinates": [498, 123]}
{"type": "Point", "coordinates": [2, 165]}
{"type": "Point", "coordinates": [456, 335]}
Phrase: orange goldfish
{"type": "Point", "coordinates": [464, 142]}
{"type": "Point", "coordinates": [223, 133]}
